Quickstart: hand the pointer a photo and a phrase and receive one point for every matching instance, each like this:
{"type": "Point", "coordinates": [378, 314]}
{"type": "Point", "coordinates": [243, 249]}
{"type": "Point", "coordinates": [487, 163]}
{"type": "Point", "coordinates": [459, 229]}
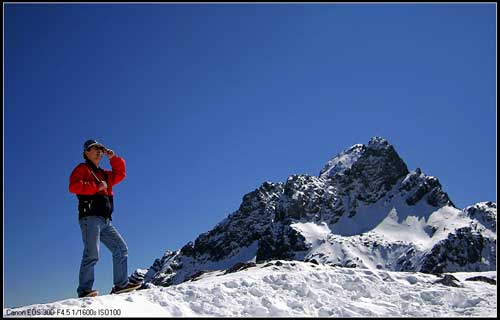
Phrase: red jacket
{"type": "Point", "coordinates": [83, 182]}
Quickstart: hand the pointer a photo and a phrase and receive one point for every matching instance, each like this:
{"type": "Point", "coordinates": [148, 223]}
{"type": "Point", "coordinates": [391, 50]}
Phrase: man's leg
{"type": "Point", "coordinates": [115, 243]}
{"type": "Point", "coordinates": [90, 227]}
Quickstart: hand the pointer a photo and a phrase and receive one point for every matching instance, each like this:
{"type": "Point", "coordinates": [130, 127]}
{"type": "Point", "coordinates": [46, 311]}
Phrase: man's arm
{"type": "Point", "coordinates": [118, 169]}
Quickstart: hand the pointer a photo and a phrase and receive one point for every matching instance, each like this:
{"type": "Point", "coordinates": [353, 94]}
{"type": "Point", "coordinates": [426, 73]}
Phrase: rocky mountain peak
{"type": "Point", "coordinates": [377, 154]}
{"type": "Point", "coordinates": [349, 215]}
{"type": "Point", "coordinates": [366, 172]}
{"type": "Point", "coordinates": [378, 143]}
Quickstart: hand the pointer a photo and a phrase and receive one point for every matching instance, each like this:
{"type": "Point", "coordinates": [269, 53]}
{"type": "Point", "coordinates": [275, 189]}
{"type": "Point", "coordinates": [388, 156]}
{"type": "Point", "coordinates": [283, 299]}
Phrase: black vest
{"type": "Point", "coordinates": [96, 204]}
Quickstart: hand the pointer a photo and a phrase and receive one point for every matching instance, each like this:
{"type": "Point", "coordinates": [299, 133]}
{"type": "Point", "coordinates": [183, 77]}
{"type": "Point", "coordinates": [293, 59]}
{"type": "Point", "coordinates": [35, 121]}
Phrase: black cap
{"type": "Point", "coordinates": [90, 143]}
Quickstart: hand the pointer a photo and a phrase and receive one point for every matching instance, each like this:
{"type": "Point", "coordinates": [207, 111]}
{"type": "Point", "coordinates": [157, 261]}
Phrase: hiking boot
{"type": "Point", "coordinates": [90, 293]}
{"type": "Point", "coordinates": [129, 287]}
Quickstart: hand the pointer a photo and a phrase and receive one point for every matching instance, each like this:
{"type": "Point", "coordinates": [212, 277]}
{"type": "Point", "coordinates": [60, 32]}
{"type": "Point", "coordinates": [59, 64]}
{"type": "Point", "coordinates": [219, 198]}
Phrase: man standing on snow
{"type": "Point", "coordinates": [93, 187]}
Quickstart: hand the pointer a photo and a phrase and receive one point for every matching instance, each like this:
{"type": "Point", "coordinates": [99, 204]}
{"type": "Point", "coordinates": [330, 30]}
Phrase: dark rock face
{"type": "Point", "coordinates": [374, 173]}
{"type": "Point", "coordinates": [282, 242]}
{"type": "Point", "coordinates": [240, 266]}
{"type": "Point", "coordinates": [461, 251]}
{"type": "Point", "coordinates": [448, 280]}
{"type": "Point", "coordinates": [137, 277]}
{"type": "Point", "coordinates": [362, 175]}
{"type": "Point", "coordinates": [419, 186]}
{"type": "Point", "coordinates": [195, 276]}
{"type": "Point", "coordinates": [239, 230]}
{"type": "Point", "coordinates": [308, 198]}
{"type": "Point", "coordinates": [483, 279]}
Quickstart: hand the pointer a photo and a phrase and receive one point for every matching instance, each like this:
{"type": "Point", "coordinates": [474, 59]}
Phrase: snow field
{"type": "Point", "coordinates": [302, 289]}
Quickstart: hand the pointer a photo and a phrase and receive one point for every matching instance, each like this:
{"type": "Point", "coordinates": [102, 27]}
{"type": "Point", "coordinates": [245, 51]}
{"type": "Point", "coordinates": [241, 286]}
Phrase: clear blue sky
{"type": "Point", "coordinates": [206, 102]}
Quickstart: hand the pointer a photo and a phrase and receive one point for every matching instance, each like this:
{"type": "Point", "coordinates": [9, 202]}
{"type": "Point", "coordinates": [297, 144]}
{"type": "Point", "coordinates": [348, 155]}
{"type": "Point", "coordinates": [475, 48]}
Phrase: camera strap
{"type": "Point", "coordinates": [95, 176]}
{"type": "Point", "coordinates": [92, 171]}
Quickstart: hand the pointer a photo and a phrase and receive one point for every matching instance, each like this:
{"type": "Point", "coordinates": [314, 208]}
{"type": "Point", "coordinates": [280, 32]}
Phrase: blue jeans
{"type": "Point", "coordinates": [95, 228]}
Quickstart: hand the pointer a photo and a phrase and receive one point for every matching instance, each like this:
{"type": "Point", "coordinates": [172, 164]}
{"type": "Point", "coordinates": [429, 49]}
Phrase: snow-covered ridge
{"type": "Point", "coordinates": [295, 289]}
{"type": "Point", "coordinates": [343, 161]}
{"type": "Point", "coordinates": [404, 242]}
